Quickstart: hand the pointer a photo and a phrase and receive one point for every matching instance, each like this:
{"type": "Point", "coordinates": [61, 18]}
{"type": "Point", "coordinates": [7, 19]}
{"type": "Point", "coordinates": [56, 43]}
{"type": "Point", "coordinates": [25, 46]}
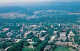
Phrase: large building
{"type": "Point", "coordinates": [71, 36]}
{"type": "Point", "coordinates": [62, 36]}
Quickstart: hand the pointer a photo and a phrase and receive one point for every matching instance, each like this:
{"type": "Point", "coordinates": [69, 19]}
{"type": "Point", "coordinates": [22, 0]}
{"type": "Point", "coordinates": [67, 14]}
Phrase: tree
{"type": "Point", "coordinates": [41, 46]}
{"type": "Point", "coordinates": [27, 49]}
{"type": "Point", "coordinates": [17, 47]}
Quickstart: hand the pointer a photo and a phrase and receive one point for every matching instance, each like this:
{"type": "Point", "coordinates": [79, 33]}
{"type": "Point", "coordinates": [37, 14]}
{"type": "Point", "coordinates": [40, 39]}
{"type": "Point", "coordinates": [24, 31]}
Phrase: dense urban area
{"type": "Point", "coordinates": [40, 28]}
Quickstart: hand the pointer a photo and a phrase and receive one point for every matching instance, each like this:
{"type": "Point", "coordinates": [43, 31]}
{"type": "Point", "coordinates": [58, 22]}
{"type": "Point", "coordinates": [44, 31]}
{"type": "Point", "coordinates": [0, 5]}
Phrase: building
{"type": "Point", "coordinates": [17, 40]}
{"type": "Point", "coordinates": [26, 33]}
{"type": "Point", "coordinates": [55, 32]}
{"type": "Point", "coordinates": [62, 36]}
{"type": "Point", "coordinates": [47, 48]}
{"type": "Point", "coordinates": [31, 42]}
{"type": "Point", "coordinates": [63, 43]}
{"type": "Point", "coordinates": [7, 39]}
{"type": "Point", "coordinates": [52, 39]}
{"type": "Point", "coordinates": [5, 29]}
{"type": "Point", "coordinates": [43, 38]}
{"type": "Point", "coordinates": [9, 34]}
{"type": "Point", "coordinates": [71, 36]}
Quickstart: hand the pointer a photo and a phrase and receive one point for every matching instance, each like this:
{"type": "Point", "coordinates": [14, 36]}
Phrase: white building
{"type": "Point", "coordinates": [62, 36]}
{"type": "Point", "coordinates": [71, 36]}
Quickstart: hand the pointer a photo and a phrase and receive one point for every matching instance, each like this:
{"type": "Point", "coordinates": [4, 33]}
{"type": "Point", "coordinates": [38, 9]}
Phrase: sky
{"type": "Point", "coordinates": [17, 1]}
{"type": "Point", "coordinates": [4, 2]}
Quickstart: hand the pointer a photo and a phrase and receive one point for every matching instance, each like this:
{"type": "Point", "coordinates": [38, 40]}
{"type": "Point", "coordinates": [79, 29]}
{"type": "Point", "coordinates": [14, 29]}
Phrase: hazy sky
{"type": "Point", "coordinates": [21, 2]}
{"type": "Point", "coordinates": [18, 1]}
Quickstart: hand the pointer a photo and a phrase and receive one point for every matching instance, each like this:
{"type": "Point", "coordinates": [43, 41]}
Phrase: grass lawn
{"type": "Point", "coordinates": [63, 49]}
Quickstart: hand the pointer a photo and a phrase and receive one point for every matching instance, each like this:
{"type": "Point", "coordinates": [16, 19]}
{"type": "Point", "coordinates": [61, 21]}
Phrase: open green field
{"type": "Point", "coordinates": [63, 49]}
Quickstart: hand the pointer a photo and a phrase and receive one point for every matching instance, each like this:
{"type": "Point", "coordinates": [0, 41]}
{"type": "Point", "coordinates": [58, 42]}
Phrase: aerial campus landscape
{"type": "Point", "coordinates": [41, 26]}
